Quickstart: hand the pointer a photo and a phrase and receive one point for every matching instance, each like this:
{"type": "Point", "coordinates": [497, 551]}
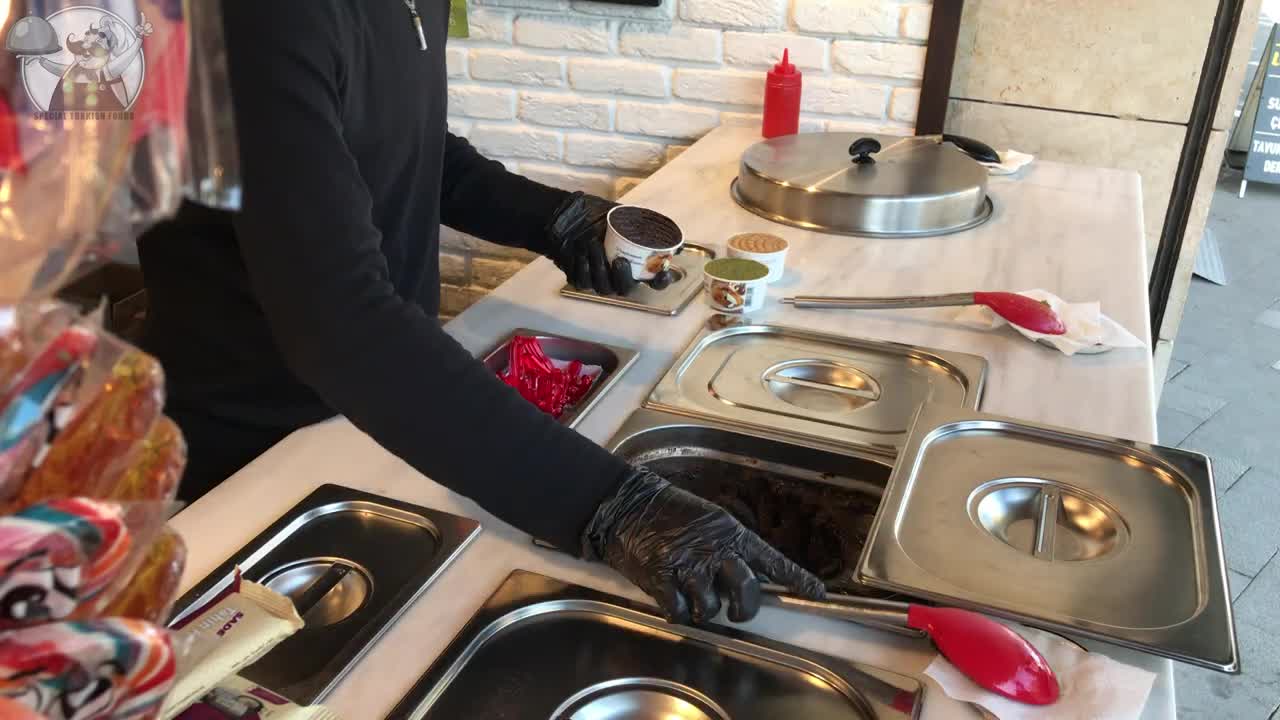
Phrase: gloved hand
{"type": "Point", "coordinates": [576, 242]}
{"type": "Point", "coordinates": [685, 552]}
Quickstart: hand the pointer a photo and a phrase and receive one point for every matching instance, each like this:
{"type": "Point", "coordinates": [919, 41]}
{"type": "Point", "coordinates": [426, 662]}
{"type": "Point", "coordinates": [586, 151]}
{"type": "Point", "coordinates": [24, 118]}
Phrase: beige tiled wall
{"type": "Point", "coordinates": [1100, 83]}
{"type": "Point", "coordinates": [1126, 59]}
{"type": "Point", "coordinates": [1190, 245]}
{"type": "Point", "coordinates": [1150, 148]}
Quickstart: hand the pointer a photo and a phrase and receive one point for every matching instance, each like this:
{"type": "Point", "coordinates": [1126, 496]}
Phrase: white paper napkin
{"type": "Point", "coordinates": [592, 371]}
{"type": "Point", "coordinates": [1093, 686]}
{"type": "Point", "coordinates": [1011, 161]}
{"type": "Point", "coordinates": [1088, 330]}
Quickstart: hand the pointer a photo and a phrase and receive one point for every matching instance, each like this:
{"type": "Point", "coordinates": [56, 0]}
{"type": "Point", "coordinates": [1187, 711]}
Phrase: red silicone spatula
{"type": "Point", "coordinates": [992, 655]}
{"type": "Point", "coordinates": [1017, 309]}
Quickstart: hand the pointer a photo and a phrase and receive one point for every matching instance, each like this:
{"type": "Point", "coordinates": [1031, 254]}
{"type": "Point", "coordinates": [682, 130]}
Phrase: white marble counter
{"type": "Point", "coordinates": [1074, 230]}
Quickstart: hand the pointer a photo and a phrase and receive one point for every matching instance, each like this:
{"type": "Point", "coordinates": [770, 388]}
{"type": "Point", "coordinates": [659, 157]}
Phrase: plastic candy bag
{"type": "Point", "coordinates": [154, 588]}
{"type": "Point", "coordinates": [153, 470]}
{"type": "Point", "coordinates": [88, 455]}
{"type": "Point", "coordinates": [92, 126]}
{"type": "Point", "coordinates": [70, 557]}
{"type": "Point", "coordinates": [101, 669]}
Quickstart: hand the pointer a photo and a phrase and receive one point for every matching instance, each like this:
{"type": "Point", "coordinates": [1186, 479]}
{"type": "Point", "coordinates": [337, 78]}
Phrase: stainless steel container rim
{"type": "Point", "coordinates": [625, 358]}
{"type": "Point", "coordinates": [988, 209]}
{"type": "Point", "coordinates": [1205, 638]}
{"type": "Point", "coordinates": [453, 533]}
{"type": "Point", "coordinates": [526, 596]}
{"type": "Point", "coordinates": [968, 370]}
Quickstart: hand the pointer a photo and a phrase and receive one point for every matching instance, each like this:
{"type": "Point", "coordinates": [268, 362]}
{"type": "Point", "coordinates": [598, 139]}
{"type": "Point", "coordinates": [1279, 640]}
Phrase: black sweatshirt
{"type": "Point", "coordinates": [320, 296]}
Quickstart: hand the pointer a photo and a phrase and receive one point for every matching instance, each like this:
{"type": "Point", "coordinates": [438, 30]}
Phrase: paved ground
{"type": "Point", "coordinates": [1223, 399]}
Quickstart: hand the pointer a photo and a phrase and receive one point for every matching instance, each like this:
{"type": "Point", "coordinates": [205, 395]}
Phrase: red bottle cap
{"type": "Point", "coordinates": [784, 67]}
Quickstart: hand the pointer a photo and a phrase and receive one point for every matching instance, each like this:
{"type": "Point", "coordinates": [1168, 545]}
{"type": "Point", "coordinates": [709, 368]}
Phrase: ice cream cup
{"type": "Point", "coordinates": [765, 248]}
{"type": "Point", "coordinates": [735, 285]}
{"type": "Point", "coordinates": [646, 238]}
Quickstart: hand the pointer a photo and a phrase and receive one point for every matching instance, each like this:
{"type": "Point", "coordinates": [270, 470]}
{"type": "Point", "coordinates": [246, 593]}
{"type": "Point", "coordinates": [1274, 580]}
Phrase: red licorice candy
{"type": "Point", "coordinates": [552, 389]}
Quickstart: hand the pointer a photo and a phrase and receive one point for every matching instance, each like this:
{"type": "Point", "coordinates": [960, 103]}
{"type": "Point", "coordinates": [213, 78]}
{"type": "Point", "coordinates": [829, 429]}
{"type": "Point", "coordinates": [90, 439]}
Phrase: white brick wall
{"type": "Point", "coordinates": [513, 141]}
{"type": "Point", "coordinates": [760, 14]}
{"type": "Point", "coordinates": [590, 96]}
{"type": "Point", "coordinates": [726, 87]}
{"type": "Point", "coordinates": [545, 31]}
{"type": "Point", "coordinates": [763, 50]}
{"type": "Point", "coordinates": [618, 77]}
{"type": "Point", "coordinates": [565, 110]}
{"type": "Point", "coordinates": [666, 120]}
{"type": "Point", "coordinates": [515, 67]}
{"type": "Point", "coordinates": [614, 152]}
{"type": "Point", "coordinates": [867, 57]}
{"type": "Point", "coordinates": [482, 102]}
{"type": "Point", "coordinates": [847, 17]}
{"type": "Point", "coordinates": [678, 42]}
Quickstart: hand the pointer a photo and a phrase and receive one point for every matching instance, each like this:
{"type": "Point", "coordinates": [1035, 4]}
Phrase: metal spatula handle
{"type": "Point", "coordinates": [887, 615]}
{"type": "Point", "coordinates": [817, 302]}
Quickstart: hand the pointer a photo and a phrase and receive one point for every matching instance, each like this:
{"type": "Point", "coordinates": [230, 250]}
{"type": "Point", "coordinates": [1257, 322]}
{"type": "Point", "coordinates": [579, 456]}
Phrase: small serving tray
{"type": "Point", "coordinates": [542, 648]}
{"type": "Point", "coordinates": [613, 359]}
{"type": "Point", "coordinates": [815, 386]}
{"type": "Point", "coordinates": [338, 525]}
{"type": "Point", "coordinates": [688, 283]}
{"type": "Point", "coordinates": [1108, 538]}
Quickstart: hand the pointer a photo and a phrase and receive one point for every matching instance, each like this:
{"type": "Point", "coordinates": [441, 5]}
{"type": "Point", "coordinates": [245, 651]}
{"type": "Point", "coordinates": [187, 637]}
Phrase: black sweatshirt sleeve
{"type": "Point", "coordinates": [472, 183]}
{"type": "Point", "coordinates": [316, 267]}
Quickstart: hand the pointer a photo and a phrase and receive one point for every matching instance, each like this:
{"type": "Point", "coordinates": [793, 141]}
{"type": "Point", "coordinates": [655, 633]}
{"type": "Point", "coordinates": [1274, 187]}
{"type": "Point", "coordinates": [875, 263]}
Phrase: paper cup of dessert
{"type": "Point", "coordinates": [735, 285]}
{"type": "Point", "coordinates": [765, 248]}
{"type": "Point", "coordinates": [645, 238]}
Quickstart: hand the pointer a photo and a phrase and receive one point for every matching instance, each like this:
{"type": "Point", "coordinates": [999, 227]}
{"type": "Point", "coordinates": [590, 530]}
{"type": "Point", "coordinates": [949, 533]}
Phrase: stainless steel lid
{"type": "Point", "coordinates": [1106, 538]}
{"type": "Point", "coordinates": [813, 386]}
{"type": "Point", "coordinates": [891, 187]}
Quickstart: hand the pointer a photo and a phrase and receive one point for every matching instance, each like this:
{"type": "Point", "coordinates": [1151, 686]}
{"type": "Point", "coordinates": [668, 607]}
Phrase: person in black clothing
{"type": "Point", "coordinates": [319, 297]}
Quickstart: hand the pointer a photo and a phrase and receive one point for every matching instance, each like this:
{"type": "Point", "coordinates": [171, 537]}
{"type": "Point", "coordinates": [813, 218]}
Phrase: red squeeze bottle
{"type": "Point", "coordinates": [782, 99]}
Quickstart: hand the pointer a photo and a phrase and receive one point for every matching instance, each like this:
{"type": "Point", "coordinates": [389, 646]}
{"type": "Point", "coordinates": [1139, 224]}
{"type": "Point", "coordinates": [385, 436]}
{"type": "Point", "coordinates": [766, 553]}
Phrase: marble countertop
{"type": "Point", "coordinates": [1076, 231]}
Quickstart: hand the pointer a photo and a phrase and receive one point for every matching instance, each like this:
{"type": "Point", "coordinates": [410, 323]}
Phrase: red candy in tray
{"type": "Point", "coordinates": [552, 385]}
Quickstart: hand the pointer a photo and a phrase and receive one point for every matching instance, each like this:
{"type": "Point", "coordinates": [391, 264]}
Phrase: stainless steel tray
{"type": "Point", "coordinates": [816, 504]}
{"type": "Point", "coordinates": [541, 648]}
{"type": "Point", "coordinates": [395, 550]}
{"type": "Point", "coordinates": [1107, 538]}
{"type": "Point", "coordinates": [688, 284]}
{"type": "Point", "coordinates": [613, 359]}
{"type": "Point", "coordinates": [803, 384]}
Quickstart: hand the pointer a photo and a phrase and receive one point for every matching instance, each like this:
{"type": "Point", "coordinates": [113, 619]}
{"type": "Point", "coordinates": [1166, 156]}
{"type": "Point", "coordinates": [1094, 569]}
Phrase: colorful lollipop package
{"type": "Point", "coordinates": [89, 468]}
{"type": "Point", "coordinates": [95, 100]}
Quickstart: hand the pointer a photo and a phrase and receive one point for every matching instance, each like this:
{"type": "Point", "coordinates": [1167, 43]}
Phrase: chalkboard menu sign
{"type": "Point", "coordinates": [1263, 164]}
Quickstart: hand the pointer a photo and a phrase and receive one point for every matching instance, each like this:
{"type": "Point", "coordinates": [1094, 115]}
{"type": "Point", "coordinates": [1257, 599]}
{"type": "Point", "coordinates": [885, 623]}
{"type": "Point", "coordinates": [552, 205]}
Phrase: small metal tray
{"type": "Point", "coordinates": [1107, 538]}
{"type": "Point", "coordinates": [688, 283]}
{"type": "Point", "coordinates": [803, 384]}
{"type": "Point", "coordinates": [613, 359]}
{"type": "Point", "coordinates": [394, 549]}
{"type": "Point", "coordinates": [541, 648]}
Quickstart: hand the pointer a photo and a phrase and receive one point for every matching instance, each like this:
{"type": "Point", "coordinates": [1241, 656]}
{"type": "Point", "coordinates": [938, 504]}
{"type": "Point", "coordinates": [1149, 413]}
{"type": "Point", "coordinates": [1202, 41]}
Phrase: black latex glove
{"type": "Point", "coordinates": [576, 242]}
{"type": "Point", "coordinates": [685, 552]}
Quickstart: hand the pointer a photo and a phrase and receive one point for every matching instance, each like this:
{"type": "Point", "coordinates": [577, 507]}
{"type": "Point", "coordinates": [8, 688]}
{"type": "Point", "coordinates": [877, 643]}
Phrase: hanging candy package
{"type": "Point", "coordinates": [93, 98]}
{"type": "Point", "coordinates": [88, 473]}
{"type": "Point", "coordinates": [94, 147]}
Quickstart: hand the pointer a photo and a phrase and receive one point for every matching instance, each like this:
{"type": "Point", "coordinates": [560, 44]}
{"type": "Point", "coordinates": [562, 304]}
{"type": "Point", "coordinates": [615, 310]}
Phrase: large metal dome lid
{"type": "Point", "coordinates": [865, 184]}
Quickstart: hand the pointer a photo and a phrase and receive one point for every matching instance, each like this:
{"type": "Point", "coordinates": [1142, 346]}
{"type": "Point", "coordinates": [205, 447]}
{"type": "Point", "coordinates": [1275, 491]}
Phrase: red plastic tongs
{"type": "Point", "coordinates": [992, 655]}
{"type": "Point", "coordinates": [1018, 309]}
